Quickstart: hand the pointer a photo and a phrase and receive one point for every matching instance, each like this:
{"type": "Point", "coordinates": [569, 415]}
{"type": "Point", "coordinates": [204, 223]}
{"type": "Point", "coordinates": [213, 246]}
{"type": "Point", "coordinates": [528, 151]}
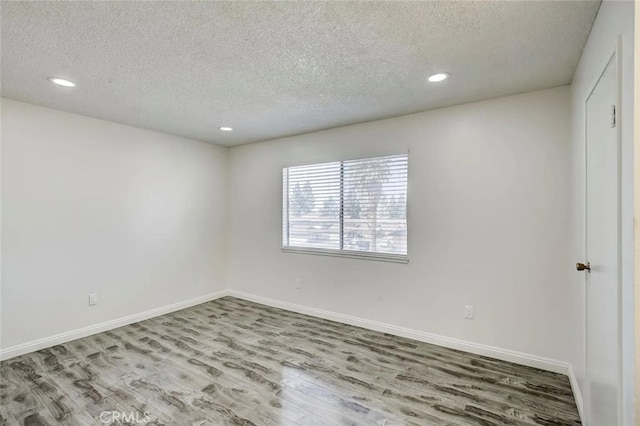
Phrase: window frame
{"type": "Point", "coordinates": [341, 252]}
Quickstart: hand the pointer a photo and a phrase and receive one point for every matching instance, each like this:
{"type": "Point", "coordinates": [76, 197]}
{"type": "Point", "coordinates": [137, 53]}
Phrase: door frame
{"type": "Point", "coordinates": [614, 58]}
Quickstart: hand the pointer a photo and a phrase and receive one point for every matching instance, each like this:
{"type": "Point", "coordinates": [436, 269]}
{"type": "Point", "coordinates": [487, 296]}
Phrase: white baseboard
{"type": "Point", "coordinates": [57, 339]}
{"type": "Point", "coordinates": [448, 342]}
{"type": "Point", "coordinates": [577, 394]}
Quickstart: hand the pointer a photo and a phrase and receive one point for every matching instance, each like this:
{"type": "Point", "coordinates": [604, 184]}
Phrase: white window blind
{"type": "Point", "coordinates": [352, 208]}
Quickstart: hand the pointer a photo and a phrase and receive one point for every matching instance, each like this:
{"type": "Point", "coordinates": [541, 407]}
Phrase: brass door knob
{"type": "Point", "coordinates": [583, 267]}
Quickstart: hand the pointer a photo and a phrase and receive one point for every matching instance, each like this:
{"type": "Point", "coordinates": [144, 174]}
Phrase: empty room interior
{"type": "Point", "coordinates": [318, 213]}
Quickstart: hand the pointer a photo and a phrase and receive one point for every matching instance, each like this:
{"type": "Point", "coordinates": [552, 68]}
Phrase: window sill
{"type": "Point", "coordinates": [381, 257]}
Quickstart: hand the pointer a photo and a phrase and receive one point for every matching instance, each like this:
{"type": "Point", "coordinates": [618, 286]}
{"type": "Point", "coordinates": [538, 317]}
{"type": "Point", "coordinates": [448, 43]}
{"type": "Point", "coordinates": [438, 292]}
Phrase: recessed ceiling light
{"type": "Point", "coordinates": [62, 82]}
{"type": "Point", "coordinates": [441, 76]}
{"type": "Point", "coordinates": [226, 128]}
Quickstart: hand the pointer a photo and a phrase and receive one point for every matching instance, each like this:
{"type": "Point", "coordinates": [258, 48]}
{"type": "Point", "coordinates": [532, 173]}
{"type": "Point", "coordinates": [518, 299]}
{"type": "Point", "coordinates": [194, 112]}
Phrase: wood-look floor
{"type": "Point", "coordinates": [232, 362]}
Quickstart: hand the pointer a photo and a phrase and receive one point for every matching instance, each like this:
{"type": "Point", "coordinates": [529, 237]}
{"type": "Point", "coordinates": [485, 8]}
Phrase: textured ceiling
{"type": "Point", "coordinates": [272, 69]}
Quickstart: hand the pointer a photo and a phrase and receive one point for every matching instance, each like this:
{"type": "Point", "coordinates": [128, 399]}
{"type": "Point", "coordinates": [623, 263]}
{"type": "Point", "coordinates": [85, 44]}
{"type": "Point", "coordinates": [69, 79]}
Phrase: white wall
{"type": "Point", "coordinates": [487, 224]}
{"type": "Point", "coordinates": [92, 206]}
{"type": "Point", "coordinates": [614, 18]}
{"type": "Point", "coordinates": [636, 115]}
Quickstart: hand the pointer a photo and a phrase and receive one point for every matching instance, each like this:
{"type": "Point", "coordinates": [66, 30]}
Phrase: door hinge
{"type": "Point", "coordinates": [613, 116]}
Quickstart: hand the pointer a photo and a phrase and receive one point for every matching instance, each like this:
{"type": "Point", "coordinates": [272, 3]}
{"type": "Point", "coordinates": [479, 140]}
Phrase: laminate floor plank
{"type": "Point", "coordinates": [233, 362]}
{"type": "Point", "coordinates": [441, 389]}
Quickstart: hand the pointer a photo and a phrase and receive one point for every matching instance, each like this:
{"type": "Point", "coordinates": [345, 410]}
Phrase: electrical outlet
{"type": "Point", "coordinates": [468, 312]}
{"type": "Point", "coordinates": [93, 299]}
{"type": "Point", "coordinates": [298, 283]}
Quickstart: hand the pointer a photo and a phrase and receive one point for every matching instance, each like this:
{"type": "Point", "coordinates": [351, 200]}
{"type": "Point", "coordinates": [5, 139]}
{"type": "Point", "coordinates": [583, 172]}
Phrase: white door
{"type": "Point", "coordinates": [602, 234]}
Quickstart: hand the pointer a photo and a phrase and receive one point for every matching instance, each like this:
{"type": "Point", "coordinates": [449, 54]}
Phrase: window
{"type": "Point", "coordinates": [355, 208]}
